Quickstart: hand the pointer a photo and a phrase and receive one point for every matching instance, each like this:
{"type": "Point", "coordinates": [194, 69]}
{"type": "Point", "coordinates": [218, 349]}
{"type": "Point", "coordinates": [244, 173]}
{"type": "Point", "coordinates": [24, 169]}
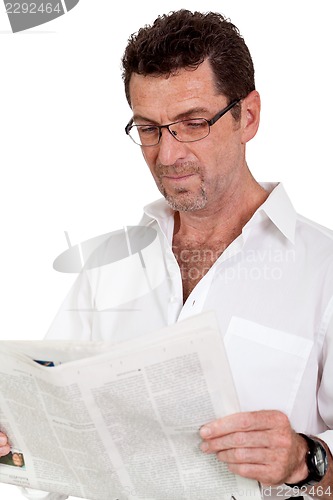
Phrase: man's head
{"type": "Point", "coordinates": [181, 75]}
{"type": "Point", "coordinates": [184, 39]}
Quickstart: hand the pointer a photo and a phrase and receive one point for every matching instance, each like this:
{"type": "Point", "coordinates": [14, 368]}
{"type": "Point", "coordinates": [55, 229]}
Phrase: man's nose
{"type": "Point", "coordinates": [170, 150]}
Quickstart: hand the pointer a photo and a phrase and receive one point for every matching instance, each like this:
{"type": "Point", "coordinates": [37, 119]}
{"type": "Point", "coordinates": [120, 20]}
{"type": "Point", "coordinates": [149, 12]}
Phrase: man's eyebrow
{"type": "Point", "coordinates": [196, 112]}
{"type": "Point", "coordinates": [141, 118]}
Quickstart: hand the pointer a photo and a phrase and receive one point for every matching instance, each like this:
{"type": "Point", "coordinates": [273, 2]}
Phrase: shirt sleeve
{"type": "Point", "coordinates": [325, 393]}
{"type": "Point", "coordinates": [74, 318]}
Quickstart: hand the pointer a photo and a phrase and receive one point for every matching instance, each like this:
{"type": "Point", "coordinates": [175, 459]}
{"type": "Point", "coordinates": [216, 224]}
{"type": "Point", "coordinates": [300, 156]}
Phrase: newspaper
{"type": "Point", "coordinates": [115, 422]}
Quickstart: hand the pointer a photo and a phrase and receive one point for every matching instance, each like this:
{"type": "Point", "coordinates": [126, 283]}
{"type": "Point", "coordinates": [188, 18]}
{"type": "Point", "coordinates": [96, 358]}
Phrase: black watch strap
{"type": "Point", "coordinates": [316, 461]}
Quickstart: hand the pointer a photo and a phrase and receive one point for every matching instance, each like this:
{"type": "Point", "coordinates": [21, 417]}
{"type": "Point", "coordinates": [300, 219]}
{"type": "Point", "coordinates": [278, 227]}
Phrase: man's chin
{"type": "Point", "coordinates": [186, 202]}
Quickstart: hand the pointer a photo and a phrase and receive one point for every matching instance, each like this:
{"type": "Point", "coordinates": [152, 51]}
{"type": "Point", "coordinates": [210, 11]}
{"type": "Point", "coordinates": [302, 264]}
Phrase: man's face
{"type": "Point", "coordinates": [17, 459]}
{"type": "Point", "coordinates": [197, 175]}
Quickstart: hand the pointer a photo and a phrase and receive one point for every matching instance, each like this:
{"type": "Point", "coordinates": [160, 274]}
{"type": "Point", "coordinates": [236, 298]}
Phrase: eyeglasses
{"type": "Point", "coordinates": [191, 130]}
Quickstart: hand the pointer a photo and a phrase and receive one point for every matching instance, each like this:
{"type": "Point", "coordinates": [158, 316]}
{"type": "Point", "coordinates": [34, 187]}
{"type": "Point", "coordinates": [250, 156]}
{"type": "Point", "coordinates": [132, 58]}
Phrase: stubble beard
{"type": "Point", "coordinates": [183, 200]}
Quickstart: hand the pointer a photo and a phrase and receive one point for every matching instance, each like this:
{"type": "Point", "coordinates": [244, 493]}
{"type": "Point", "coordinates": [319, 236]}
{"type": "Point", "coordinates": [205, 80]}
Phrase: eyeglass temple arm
{"type": "Point", "coordinates": [223, 112]}
{"type": "Point", "coordinates": [128, 126]}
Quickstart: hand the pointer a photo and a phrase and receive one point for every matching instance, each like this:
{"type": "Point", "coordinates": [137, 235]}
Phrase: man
{"type": "Point", "coordinates": [228, 244]}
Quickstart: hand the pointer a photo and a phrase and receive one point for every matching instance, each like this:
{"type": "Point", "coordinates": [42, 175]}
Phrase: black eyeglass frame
{"type": "Point", "coordinates": [210, 122]}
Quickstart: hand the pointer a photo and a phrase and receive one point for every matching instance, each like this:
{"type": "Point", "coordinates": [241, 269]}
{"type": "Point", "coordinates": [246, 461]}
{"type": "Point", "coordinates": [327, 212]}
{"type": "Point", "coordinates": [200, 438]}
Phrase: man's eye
{"type": "Point", "coordinates": [147, 130]}
{"type": "Point", "coordinates": [195, 123]}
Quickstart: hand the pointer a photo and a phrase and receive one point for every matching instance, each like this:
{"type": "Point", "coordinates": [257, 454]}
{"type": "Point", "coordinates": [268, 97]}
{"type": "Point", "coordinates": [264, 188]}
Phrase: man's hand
{"type": "Point", "coordinates": [258, 445]}
{"type": "Point", "coordinates": [4, 446]}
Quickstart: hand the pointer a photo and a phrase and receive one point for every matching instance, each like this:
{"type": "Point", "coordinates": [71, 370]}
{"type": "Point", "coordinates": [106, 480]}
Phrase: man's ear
{"type": "Point", "coordinates": [250, 116]}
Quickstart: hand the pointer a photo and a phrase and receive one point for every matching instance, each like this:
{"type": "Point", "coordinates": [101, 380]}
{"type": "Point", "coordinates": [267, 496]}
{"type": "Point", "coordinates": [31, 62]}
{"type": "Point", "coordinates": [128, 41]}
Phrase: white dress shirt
{"type": "Point", "coordinates": [271, 289]}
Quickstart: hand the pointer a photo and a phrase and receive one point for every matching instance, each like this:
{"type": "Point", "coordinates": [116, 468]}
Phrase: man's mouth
{"type": "Point", "coordinates": [179, 177]}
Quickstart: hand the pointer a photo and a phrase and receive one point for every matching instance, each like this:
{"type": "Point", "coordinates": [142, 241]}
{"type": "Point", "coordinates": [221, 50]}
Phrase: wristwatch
{"type": "Point", "coordinates": [316, 461]}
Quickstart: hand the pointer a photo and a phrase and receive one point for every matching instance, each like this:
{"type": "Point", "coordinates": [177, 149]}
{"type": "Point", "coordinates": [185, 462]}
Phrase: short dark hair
{"type": "Point", "coordinates": [184, 39]}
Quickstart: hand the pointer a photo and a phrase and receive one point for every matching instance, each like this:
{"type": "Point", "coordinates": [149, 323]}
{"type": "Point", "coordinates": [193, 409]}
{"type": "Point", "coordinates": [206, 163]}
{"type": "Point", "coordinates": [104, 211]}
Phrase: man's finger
{"type": "Point", "coordinates": [261, 456]}
{"type": "Point", "coordinates": [244, 422]}
{"type": "Point", "coordinates": [4, 450]}
{"type": "Point", "coordinates": [3, 439]}
{"type": "Point", "coordinates": [4, 446]}
{"type": "Point", "coordinates": [251, 439]}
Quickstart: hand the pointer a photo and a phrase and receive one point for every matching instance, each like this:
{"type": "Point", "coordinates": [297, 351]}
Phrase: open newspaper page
{"type": "Point", "coordinates": [107, 422]}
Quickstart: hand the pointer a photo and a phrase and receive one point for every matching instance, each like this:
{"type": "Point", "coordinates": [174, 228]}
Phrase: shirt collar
{"type": "Point", "coordinates": [160, 211]}
{"type": "Point", "coordinates": [277, 207]}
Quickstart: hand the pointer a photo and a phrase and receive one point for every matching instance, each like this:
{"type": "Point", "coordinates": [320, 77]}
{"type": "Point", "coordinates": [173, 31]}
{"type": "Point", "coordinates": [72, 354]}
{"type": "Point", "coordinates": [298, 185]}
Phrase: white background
{"type": "Point", "coordinates": [66, 164]}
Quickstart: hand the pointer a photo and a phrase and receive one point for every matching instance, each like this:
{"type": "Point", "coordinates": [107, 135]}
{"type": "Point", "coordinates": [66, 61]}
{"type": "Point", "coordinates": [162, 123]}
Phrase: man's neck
{"type": "Point", "coordinates": [224, 221]}
{"type": "Point", "coordinates": [209, 232]}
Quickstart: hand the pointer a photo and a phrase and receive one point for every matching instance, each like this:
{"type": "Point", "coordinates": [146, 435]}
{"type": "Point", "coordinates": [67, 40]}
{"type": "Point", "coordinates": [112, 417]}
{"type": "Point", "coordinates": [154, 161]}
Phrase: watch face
{"type": "Point", "coordinates": [320, 459]}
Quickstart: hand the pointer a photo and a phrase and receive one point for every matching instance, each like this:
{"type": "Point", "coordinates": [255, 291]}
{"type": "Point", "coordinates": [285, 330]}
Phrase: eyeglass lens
{"type": "Point", "coordinates": [183, 131]}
